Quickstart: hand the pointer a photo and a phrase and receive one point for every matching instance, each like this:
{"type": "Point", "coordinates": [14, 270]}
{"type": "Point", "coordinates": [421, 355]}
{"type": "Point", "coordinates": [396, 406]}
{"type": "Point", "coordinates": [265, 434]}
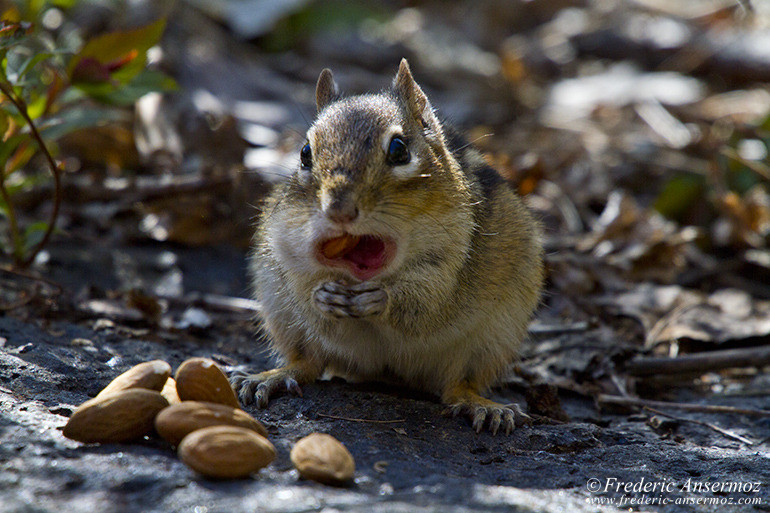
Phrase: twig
{"type": "Point", "coordinates": [664, 322]}
{"type": "Point", "coordinates": [700, 362]}
{"type": "Point", "coordinates": [562, 348]}
{"type": "Point", "coordinates": [540, 328]}
{"type": "Point", "coordinates": [702, 408]}
{"type": "Point", "coordinates": [722, 431]}
{"type": "Point", "coordinates": [129, 191]}
{"type": "Point", "coordinates": [754, 165]}
{"type": "Point", "coordinates": [25, 299]}
{"type": "Point", "coordinates": [25, 295]}
{"type": "Point", "coordinates": [372, 421]}
{"type": "Point", "coordinates": [17, 272]}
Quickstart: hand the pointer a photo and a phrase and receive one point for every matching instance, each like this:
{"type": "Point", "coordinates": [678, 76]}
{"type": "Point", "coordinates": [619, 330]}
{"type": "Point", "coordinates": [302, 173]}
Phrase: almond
{"type": "Point", "coordinates": [150, 375]}
{"type": "Point", "coordinates": [225, 452]}
{"type": "Point", "coordinates": [200, 379]}
{"type": "Point", "coordinates": [178, 420]}
{"type": "Point", "coordinates": [323, 458]}
{"type": "Point", "coordinates": [338, 246]}
{"type": "Point", "coordinates": [169, 392]}
{"type": "Point", "coordinates": [118, 417]}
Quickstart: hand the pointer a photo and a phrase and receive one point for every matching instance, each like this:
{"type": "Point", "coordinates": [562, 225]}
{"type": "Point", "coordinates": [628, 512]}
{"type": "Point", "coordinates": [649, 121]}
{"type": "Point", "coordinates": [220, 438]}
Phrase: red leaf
{"type": "Point", "coordinates": [91, 71]}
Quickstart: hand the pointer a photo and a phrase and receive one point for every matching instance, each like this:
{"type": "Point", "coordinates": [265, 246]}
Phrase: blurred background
{"type": "Point", "coordinates": [637, 130]}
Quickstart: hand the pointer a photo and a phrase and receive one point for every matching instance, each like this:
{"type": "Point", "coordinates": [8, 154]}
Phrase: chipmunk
{"type": "Point", "coordinates": [394, 251]}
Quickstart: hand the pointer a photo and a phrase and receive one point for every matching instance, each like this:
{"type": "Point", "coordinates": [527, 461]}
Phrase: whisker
{"type": "Point", "coordinates": [270, 163]}
{"type": "Point", "coordinates": [301, 113]}
{"type": "Point", "coordinates": [461, 148]}
{"type": "Point", "coordinates": [406, 207]}
{"type": "Point", "coordinates": [268, 173]}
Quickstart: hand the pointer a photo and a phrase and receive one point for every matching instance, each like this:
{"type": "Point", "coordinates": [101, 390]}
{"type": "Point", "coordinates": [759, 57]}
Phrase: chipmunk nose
{"type": "Point", "coordinates": [340, 208]}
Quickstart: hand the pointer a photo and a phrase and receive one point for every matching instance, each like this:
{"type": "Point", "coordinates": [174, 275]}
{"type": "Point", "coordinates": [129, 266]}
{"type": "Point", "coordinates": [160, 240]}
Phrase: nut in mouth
{"type": "Point", "coordinates": [364, 256]}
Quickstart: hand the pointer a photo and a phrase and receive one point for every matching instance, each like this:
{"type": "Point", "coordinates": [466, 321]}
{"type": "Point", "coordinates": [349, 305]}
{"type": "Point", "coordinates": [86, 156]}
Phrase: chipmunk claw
{"type": "Point", "coordinates": [479, 415]}
{"type": "Point", "coordinates": [493, 417]}
{"type": "Point", "coordinates": [485, 413]}
{"type": "Point", "coordinates": [339, 300]}
{"type": "Point", "coordinates": [237, 377]}
{"type": "Point", "coordinates": [257, 388]}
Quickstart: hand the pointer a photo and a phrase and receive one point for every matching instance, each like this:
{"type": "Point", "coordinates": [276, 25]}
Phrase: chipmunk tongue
{"type": "Point", "coordinates": [369, 253]}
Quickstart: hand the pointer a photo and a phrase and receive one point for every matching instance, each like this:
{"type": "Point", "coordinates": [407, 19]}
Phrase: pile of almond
{"type": "Point", "coordinates": [197, 412]}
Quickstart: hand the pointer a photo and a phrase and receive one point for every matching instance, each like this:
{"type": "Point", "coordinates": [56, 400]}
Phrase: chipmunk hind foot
{"type": "Point", "coordinates": [463, 399]}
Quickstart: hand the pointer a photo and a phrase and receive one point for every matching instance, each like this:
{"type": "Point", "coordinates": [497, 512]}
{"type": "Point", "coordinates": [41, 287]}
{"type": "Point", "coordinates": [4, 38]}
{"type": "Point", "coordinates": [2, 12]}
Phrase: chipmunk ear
{"type": "Point", "coordinates": [413, 97]}
{"type": "Point", "coordinates": [326, 90]}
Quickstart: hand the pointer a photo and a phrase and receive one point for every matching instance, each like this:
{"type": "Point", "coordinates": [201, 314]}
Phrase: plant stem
{"type": "Point", "coordinates": [21, 106]}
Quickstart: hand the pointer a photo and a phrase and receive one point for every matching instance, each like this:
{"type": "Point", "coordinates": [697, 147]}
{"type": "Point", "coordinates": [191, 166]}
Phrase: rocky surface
{"type": "Point", "coordinates": [410, 457]}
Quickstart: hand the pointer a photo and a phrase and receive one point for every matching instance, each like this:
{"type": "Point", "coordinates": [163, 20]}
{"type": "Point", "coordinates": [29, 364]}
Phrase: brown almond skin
{"type": "Point", "coordinates": [200, 379]}
{"type": "Point", "coordinates": [178, 420]}
{"type": "Point", "coordinates": [225, 452]}
{"type": "Point", "coordinates": [338, 246]}
{"type": "Point", "coordinates": [169, 392]}
{"type": "Point", "coordinates": [119, 417]}
{"type": "Point", "coordinates": [323, 458]}
{"type": "Point", "coordinates": [150, 375]}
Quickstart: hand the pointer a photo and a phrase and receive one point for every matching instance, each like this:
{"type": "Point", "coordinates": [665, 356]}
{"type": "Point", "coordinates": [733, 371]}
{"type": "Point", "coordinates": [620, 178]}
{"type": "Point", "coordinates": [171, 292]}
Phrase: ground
{"type": "Point", "coordinates": [409, 455]}
{"type": "Point", "coordinates": [636, 131]}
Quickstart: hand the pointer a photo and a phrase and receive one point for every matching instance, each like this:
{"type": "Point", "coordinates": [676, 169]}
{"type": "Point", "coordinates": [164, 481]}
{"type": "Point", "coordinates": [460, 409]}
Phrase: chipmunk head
{"type": "Point", "coordinates": [373, 173]}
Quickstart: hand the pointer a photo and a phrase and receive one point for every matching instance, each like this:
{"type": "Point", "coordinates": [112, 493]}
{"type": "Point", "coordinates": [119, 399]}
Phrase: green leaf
{"type": "Point", "coordinates": [64, 4]}
{"type": "Point", "coordinates": [148, 81]}
{"type": "Point", "coordinates": [8, 147]}
{"type": "Point", "coordinates": [77, 118]}
{"type": "Point", "coordinates": [679, 194]}
{"type": "Point", "coordinates": [20, 156]}
{"type": "Point", "coordinates": [21, 182]}
{"type": "Point", "coordinates": [32, 62]}
{"type": "Point", "coordinates": [5, 122]}
{"type": "Point", "coordinates": [9, 111]}
{"type": "Point", "coordinates": [123, 52]}
{"type": "Point", "coordinates": [36, 106]}
{"type": "Point", "coordinates": [33, 234]}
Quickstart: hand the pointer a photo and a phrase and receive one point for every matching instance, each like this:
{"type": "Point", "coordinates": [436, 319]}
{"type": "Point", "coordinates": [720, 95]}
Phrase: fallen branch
{"type": "Point", "coordinates": [370, 421]}
{"type": "Point", "coordinates": [144, 188]}
{"type": "Point", "coordinates": [702, 408]}
{"type": "Point", "coordinates": [736, 55]}
{"type": "Point", "coordinates": [721, 431]}
{"type": "Point", "coordinates": [700, 362]}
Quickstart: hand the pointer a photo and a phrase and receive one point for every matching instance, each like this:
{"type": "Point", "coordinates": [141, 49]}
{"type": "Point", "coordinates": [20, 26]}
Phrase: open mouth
{"type": "Point", "coordinates": [363, 255]}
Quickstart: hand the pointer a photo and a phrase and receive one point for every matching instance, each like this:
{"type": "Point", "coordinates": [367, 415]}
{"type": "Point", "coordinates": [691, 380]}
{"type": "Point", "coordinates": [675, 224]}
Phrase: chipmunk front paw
{"type": "Point", "coordinates": [356, 301]}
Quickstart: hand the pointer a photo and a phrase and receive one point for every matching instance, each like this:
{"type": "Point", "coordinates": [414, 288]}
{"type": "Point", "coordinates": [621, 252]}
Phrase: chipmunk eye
{"type": "Point", "coordinates": [306, 156]}
{"type": "Point", "coordinates": [398, 152]}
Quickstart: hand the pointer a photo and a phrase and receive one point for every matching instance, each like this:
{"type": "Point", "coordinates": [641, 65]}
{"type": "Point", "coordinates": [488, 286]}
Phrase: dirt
{"type": "Point", "coordinates": [410, 456]}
